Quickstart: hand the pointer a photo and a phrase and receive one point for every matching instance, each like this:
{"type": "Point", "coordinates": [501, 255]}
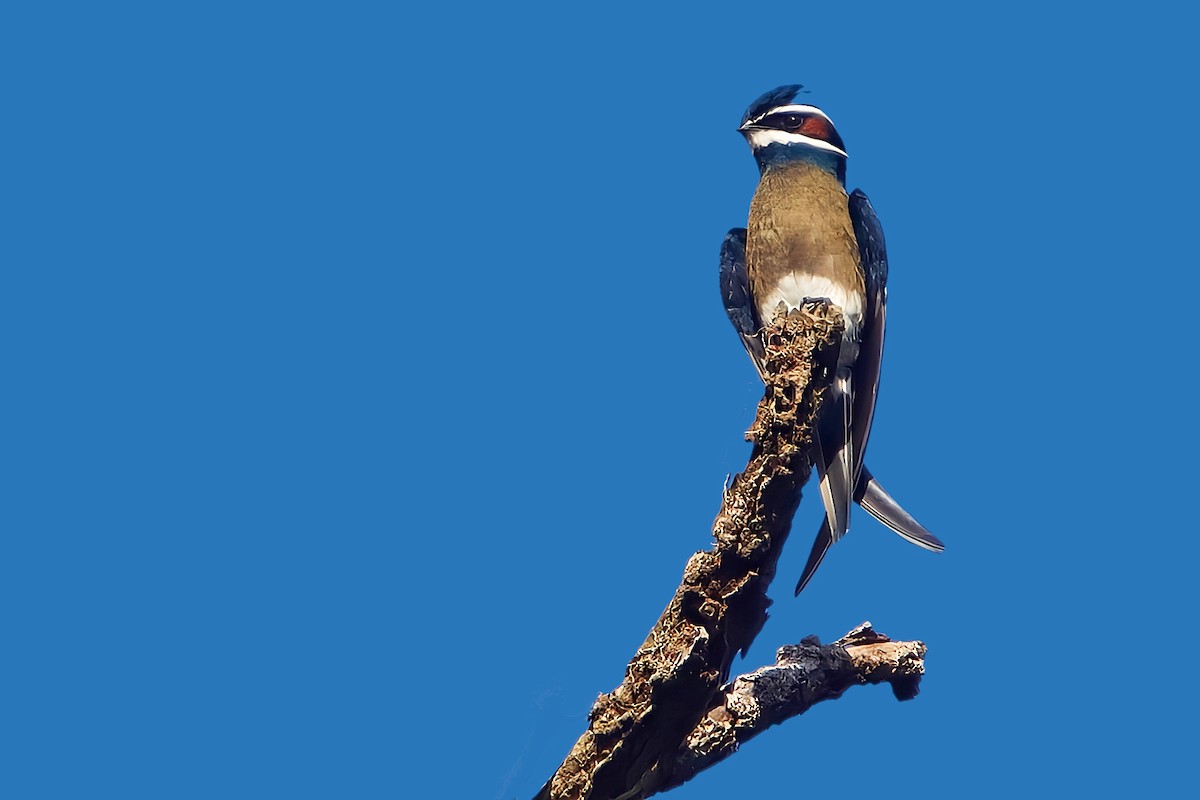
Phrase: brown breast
{"type": "Point", "coordinates": [800, 238]}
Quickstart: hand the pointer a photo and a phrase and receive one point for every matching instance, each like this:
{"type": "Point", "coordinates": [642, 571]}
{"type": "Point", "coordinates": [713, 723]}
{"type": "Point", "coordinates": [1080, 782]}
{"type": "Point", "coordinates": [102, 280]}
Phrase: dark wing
{"type": "Point", "coordinates": [868, 493]}
{"type": "Point", "coordinates": [859, 389]}
{"type": "Point", "coordinates": [865, 375]}
{"type": "Point", "coordinates": [873, 254]}
{"type": "Point", "coordinates": [865, 381]}
{"type": "Point", "coordinates": [834, 453]}
{"type": "Point", "coordinates": [735, 295]}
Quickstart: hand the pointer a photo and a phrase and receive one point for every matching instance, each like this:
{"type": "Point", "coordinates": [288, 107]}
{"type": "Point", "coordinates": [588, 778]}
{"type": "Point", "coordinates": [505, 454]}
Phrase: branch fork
{"type": "Point", "coordinates": [676, 713]}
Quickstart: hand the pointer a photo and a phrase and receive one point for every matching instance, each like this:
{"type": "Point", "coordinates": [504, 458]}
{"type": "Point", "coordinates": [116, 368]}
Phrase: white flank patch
{"type": "Point", "coordinates": [797, 287]}
{"type": "Point", "coordinates": [762, 137]}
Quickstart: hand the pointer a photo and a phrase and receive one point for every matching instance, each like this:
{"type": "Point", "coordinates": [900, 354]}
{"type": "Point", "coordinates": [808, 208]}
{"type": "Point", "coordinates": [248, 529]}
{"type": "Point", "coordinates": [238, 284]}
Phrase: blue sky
{"type": "Point", "coordinates": [368, 388]}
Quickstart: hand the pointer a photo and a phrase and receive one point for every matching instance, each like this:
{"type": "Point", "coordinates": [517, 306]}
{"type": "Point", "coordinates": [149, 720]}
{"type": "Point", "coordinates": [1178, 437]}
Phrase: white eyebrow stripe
{"type": "Point", "coordinates": [761, 137]}
{"type": "Point", "coordinates": [794, 109]}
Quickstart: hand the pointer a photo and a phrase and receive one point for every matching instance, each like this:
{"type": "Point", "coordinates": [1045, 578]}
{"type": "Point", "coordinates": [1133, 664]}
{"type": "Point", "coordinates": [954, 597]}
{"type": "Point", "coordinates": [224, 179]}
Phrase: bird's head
{"type": "Point", "coordinates": [779, 129]}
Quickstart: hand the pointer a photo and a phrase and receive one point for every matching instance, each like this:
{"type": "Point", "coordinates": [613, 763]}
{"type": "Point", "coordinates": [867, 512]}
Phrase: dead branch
{"type": "Point", "coordinates": [802, 676]}
{"type": "Point", "coordinates": [666, 721]}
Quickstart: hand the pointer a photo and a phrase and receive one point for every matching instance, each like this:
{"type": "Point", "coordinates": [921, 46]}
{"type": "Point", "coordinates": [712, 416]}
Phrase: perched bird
{"type": "Point", "coordinates": [808, 239]}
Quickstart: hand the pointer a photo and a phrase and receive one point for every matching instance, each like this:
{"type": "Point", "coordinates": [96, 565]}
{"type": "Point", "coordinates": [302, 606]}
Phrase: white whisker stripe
{"type": "Point", "coordinates": [761, 137]}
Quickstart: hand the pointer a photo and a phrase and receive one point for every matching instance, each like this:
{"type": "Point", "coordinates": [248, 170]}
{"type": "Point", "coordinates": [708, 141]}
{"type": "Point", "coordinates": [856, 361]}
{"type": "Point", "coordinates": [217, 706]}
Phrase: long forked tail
{"type": "Point", "coordinates": [834, 453]}
{"type": "Point", "coordinates": [880, 505]}
{"type": "Point", "coordinates": [816, 556]}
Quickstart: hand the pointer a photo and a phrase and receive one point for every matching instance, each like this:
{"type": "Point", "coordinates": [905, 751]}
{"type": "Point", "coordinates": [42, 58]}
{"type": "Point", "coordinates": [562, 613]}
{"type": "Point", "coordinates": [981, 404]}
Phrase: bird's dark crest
{"type": "Point", "coordinates": [780, 96]}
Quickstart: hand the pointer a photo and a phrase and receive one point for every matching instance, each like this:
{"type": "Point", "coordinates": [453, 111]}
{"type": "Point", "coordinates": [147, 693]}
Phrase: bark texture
{"type": "Point", "coordinates": [672, 716]}
{"type": "Point", "coordinates": [802, 676]}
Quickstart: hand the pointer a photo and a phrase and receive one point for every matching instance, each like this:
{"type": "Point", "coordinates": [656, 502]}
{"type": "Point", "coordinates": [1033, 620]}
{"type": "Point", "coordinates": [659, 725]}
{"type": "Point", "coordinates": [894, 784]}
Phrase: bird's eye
{"type": "Point", "coordinates": [785, 122]}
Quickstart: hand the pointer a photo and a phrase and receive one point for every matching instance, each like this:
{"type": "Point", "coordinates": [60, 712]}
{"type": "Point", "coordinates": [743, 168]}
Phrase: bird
{"type": "Point", "coordinates": [807, 239]}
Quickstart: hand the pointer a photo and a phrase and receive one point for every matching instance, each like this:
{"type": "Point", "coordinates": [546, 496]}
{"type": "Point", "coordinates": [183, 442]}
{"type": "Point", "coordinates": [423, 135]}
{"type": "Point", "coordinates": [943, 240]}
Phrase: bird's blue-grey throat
{"type": "Point", "coordinates": [807, 239]}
